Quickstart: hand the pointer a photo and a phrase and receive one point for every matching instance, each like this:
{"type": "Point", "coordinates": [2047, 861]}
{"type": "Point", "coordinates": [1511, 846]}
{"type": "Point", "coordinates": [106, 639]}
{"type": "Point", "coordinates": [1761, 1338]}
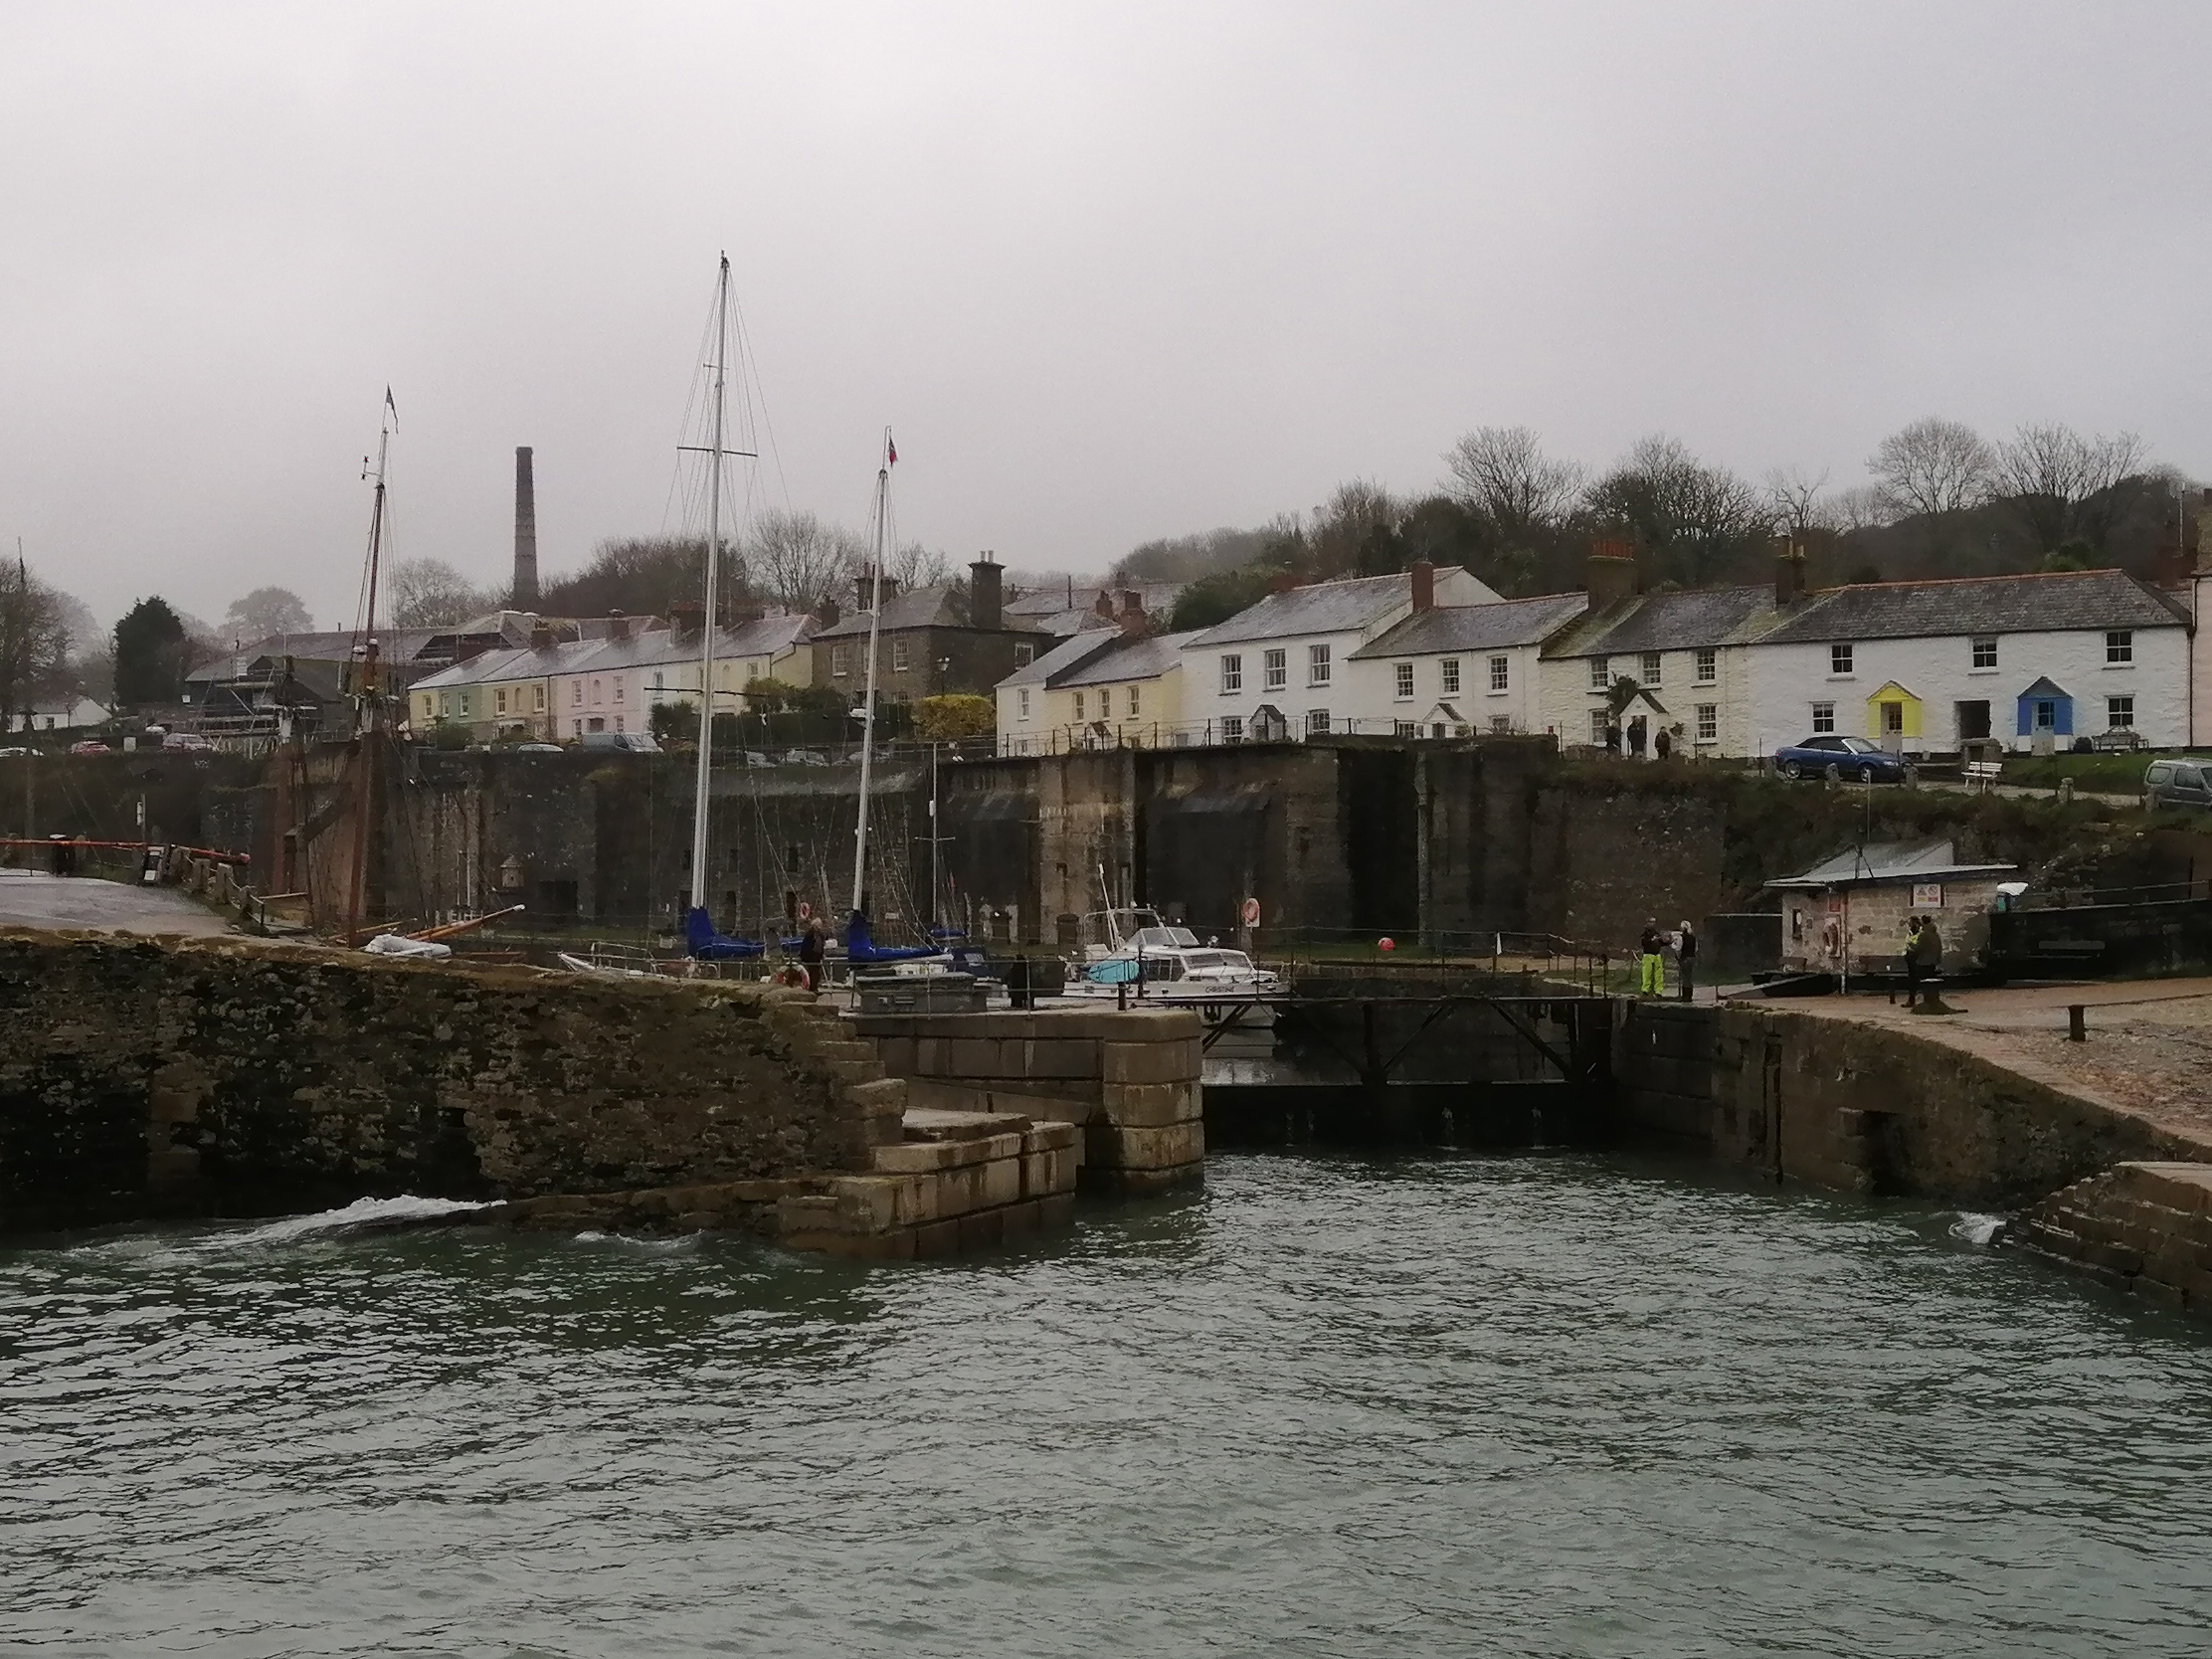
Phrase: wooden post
{"type": "Point", "coordinates": [2076, 1024]}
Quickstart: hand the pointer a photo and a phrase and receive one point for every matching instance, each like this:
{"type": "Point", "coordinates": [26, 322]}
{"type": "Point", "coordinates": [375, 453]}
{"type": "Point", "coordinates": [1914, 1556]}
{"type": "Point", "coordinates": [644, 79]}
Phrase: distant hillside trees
{"type": "Point", "coordinates": [429, 593]}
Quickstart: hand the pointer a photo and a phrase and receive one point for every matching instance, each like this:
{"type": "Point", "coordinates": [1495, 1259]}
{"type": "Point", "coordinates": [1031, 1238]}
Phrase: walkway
{"type": "Point", "coordinates": [30, 898]}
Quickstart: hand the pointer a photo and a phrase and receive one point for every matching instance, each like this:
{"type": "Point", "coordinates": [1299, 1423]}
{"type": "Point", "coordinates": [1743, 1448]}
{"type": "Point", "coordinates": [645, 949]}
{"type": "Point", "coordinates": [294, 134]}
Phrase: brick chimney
{"type": "Point", "coordinates": [863, 589]}
{"type": "Point", "coordinates": [685, 616]}
{"type": "Point", "coordinates": [618, 625]}
{"type": "Point", "coordinates": [1423, 575]}
{"type": "Point", "coordinates": [826, 611]}
{"type": "Point", "coordinates": [541, 633]}
{"type": "Point", "coordinates": [525, 531]}
{"type": "Point", "coordinates": [1283, 582]}
{"type": "Point", "coordinates": [1103, 605]}
{"type": "Point", "coordinates": [1133, 618]}
{"type": "Point", "coordinates": [1609, 574]}
{"type": "Point", "coordinates": [985, 596]}
{"type": "Point", "coordinates": [1789, 575]}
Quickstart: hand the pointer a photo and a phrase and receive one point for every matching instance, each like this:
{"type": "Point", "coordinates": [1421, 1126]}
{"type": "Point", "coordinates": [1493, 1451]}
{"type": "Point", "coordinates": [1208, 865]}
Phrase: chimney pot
{"type": "Point", "coordinates": [1423, 575]}
{"type": "Point", "coordinates": [1133, 618]}
{"type": "Point", "coordinates": [618, 625]}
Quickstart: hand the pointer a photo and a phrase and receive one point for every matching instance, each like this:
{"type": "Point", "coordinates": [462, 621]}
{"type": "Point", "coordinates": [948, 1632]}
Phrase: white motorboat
{"type": "Point", "coordinates": [1147, 963]}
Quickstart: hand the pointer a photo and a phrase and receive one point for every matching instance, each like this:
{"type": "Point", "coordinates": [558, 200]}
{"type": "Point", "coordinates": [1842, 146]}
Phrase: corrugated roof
{"type": "Point", "coordinates": [1924, 861]}
{"type": "Point", "coordinates": [1690, 619]}
{"type": "Point", "coordinates": [1510, 622]}
{"type": "Point", "coordinates": [1320, 607]}
{"type": "Point", "coordinates": [2041, 602]}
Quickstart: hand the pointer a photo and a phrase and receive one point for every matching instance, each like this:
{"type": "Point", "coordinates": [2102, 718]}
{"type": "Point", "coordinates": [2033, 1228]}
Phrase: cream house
{"type": "Point", "coordinates": [492, 694]}
{"type": "Point", "coordinates": [1099, 690]}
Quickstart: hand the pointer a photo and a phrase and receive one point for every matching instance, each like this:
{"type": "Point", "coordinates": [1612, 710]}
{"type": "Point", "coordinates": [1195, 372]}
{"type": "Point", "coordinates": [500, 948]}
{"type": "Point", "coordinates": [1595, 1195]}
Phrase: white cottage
{"type": "Point", "coordinates": [1279, 668]}
{"type": "Point", "coordinates": [1690, 654]}
{"type": "Point", "coordinates": [1924, 667]}
{"type": "Point", "coordinates": [1459, 670]}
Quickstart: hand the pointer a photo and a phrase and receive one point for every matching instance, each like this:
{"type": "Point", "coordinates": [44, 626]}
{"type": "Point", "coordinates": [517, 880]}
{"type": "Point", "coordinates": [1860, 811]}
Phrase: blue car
{"type": "Point", "coordinates": [1851, 758]}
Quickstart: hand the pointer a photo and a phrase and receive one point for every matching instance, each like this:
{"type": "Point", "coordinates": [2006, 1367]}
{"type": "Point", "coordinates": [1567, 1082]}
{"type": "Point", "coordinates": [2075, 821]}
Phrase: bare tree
{"type": "Point", "coordinates": [266, 612]}
{"type": "Point", "coordinates": [1691, 515]}
{"type": "Point", "coordinates": [1933, 467]}
{"type": "Point", "coordinates": [1502, 475]}
{"type": "Point", "coordinates": [34, 640]}
{"type": "Point", "coordinates": [798, 561]}
{"type": "Point", "coordinates": [1796, 500]}
{"type": "Point", "coordinates": [916, 565]}
{"type": "Point", "coordinates": [429, 593]}
{"type": "Point", "coordinates": [1862, 507]}
{"type": "Point", "coordinates": [2064, 487]}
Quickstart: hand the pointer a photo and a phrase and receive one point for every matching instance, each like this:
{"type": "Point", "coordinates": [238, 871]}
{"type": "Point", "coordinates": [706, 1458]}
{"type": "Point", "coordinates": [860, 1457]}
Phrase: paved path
{"type": "Point", "coordinates": [34, 899]}
{"type": "Point", "coordinates": [2148, 1053]}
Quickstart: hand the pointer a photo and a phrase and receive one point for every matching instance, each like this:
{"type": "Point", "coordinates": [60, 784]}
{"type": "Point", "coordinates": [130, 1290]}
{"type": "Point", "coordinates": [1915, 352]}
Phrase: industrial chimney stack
{"type": "Point", "coordinates": [525, 533]}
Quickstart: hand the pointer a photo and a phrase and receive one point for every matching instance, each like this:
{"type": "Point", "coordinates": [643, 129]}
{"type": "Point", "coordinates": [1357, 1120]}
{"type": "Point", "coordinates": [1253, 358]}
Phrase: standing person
{"type": "Point", "coordinates": [1685, 949]}
{"type": "Point", "coordinates": [1929, 947]}
{"type": "Point", "coordinates": [1637, 730]}
{"type": "Point", "coordinates": [1662, 743]}
{"type": "Point", "coordinates": [810, 953]}
{"type": "Point", "coordinates": [1612, 737]}
{"type": "Point", "coordinates": [1912, 960]}
{"type": "Point", "coordinates": [1651, 964]}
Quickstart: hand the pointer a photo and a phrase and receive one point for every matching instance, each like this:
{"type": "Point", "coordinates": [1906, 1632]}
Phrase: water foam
{"type": "Point", "coordinates": [362, 1212]}
{"type": "Point", "coordinates": [1974, 1228]}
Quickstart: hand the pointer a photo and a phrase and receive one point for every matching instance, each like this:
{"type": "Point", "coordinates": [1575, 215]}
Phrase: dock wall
{"type": "Point", "coordinates": [1863, 1107]}
{"type": "Point", "coordinates": [144, 1077]}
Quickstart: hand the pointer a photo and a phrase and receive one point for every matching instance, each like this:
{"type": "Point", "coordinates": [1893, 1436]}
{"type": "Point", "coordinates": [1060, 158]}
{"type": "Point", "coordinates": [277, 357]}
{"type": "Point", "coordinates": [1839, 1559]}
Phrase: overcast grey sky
{"type": "Point", "coordinates": [1109, 271]}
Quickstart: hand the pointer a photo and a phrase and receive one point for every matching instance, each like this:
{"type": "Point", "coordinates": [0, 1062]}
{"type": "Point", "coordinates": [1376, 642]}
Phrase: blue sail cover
{"type": "Point", "coordinates": [859, 947]}
{"type": "Point", "coordinates": [703, 944]}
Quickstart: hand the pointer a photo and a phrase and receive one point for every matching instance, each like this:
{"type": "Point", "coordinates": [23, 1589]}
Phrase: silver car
{"type": "Point", "coordinates": [2178, 784]}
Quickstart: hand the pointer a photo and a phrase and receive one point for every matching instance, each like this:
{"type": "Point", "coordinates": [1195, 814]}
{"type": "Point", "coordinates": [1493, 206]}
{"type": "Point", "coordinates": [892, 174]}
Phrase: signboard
{"type": "Point", "coordinates": [1927, 895]}
{"type": "Point", "coordinates": [806, 910]}
{"type": "Point", "coordinates": [1835, 905]}
{"type": "Point", "coordinates": [1251, 912]}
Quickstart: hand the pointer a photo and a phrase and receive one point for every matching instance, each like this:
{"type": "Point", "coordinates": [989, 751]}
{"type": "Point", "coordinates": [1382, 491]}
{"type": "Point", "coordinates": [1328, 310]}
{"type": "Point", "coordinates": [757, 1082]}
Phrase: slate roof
{"type": "Point", "coordinates": [1319, 608]}
{"type": "Point", "coordinates": [1145, 658]}
{"type": "Point", "coordinates": [1510, 622]}
{"type": "Point", "coordinates": [1923, 860]}
{"type": "Point", "coordinates": [1690, 619]}
{"type": "Point", "coordinates": [942, 604]}
{"type": "Point", "coordinates": [396, 645]}
{"type": "Point", "coordinates": [1067, 654]}
{"type": "Point", "coordinates": [2043, 603]}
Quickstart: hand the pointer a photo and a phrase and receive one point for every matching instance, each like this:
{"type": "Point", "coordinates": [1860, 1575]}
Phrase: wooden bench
{"type": "Point", "coordinates": [1981, 776]}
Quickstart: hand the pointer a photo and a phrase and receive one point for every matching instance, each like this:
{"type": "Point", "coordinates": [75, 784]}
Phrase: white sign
{"type": "Point", "coordinates": [1251, 912]}
{"type": "Point", "coordinates": [1927, 895]}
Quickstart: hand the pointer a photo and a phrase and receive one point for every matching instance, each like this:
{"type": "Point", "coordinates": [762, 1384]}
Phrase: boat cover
{"type": "Point", "coordinates": [703, 944]}
{"type": "Point", "coordinates": [859, 947]}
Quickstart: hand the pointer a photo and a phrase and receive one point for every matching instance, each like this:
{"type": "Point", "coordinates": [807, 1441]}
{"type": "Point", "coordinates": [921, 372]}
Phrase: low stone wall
{"type": "Point", "coordinates": [1862, 1107]}
{"type": "Point", "coordinates": [1128, 1080]}
{"type": "Point", "coordinates": [167, 1076]}
{"type": "Point", "coordinates": [2144, 1228]}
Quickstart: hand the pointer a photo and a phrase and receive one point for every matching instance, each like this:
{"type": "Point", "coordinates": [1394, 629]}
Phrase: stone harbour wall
{"type": "Point", "coordinates": [144, 1077]}
{"type": "Point", "coordinates": [2142, 1226]}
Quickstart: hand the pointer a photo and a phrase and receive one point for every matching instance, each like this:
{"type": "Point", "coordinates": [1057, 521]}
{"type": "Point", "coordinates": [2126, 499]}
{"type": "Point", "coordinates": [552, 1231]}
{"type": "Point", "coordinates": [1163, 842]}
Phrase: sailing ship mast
{"type": "Point", "coordinates": [367, 686]}
{"type": "Point", "coordinates": [715, 452]}
{"type": "Point", "coordinates": [875, 628]}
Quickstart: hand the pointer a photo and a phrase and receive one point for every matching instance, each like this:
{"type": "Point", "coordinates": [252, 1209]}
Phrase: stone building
{"type": "Point", "coordinates": [934, 639]}
{"type": "Point", "coordinates": [1847, 914]}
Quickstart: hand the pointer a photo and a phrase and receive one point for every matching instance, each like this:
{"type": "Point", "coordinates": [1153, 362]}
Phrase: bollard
{"type": "Point", "coordinates": [2077, 1025]}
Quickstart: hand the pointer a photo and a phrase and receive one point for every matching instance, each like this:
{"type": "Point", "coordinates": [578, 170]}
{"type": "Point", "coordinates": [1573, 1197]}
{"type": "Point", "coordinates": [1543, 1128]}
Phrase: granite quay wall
{"type": "Point", "coordinates": [1864, 1108]}
{"type": "Point", "coordinates": [2141, 1226]}
{"type": "Point", "coordinates": [1129, 1082]}
{"type": "Point", "coordinates": [144, 1077]}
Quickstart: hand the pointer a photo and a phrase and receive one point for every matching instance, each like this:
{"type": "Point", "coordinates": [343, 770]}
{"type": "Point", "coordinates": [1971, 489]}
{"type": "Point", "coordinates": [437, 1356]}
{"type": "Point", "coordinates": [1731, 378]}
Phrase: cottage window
{"type": "Point", "coordinates": [1232, 674]}
{"type": "Point", "coordinates": [1023, 656]}
{"type": "Point", "coordinates": [1985, 651]}
{"type": "Point", "coordinates": [1823, 717]}
{"type": "Point", "coordinates": [618, 688]}
{"type": "Point", "coordinates": [1274, 669]}
{"type": "Point", "coordinates": [1133, 702]}
{"type": "Point", "coordinates": [658, 683]}
{"type": "Point", "coordinates": [1404, 728]}
{"type": "Point", "coordinates": [500, 701]}
{"type": "Point", "coordinates": [1021, 703]}
{"type": "Point", "coordinates": [1317, 664]}
{"type": "Point", "coordinates": [1501, 674]}
{"type": "Point", "coordinates": [898, 657]}
{"type": "Point", "coordinates": [1599, 721]}
{"type": "Point", "coordinates": [1600, 680]}
{"type": "Point", "coordinates": [1404, 672]}
{"type": "Point", "coordinates": [1709, 722]}
{"type": "Point", "coordinates": [1839, 659]}
{"type": "Point", "coordinates": [1078, 707]}
{"type": "Point", "coordinates": [576, 694]}
{"type": "Point", "coordinates": [1448, 676]}
{"type": "Point", "coordinates": [1233, 729]}
{"type": "Point", "coordinates": [1709, 666]}
{"type": "Point", "coordinates": [444, 704]}
{"type": "Point", "coordinates": [617, 722]}
{"type": "Point", "coordinates": [1651, 667]}
{"type": "Point", "coordinates": [1317, 722]}
{"type": "Point", "coordinates": [2120, 713]}
{"type": "Point", "coordinates": [2120, 646]}
{"type": "Point", "coordinates": [464, 703]}
{"type": "Point", "coordinates": [599, 693]}
{"type": "Point", "coordinates": [539, 697]}
{"type": "Point", "coordinates": [1501, 725]}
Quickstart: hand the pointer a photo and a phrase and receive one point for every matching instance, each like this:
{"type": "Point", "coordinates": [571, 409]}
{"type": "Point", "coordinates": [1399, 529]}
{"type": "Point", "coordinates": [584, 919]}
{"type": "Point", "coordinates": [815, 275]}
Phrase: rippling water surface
{"type": "Point", "coordinates": [1537, 1406]}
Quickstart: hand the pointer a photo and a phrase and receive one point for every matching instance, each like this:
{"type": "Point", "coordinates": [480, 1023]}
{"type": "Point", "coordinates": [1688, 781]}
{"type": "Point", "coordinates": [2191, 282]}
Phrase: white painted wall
{"type": "Point", "coordinates": [1568, 698]}
{"type": "Point", "coordinates": [1375, 704]}
{"type": "Point", "coordinates": [1789, 678]}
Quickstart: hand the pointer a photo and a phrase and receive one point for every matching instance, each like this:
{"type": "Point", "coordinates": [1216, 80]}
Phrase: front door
{"type": "Point", "coordinates": [1973, 721]}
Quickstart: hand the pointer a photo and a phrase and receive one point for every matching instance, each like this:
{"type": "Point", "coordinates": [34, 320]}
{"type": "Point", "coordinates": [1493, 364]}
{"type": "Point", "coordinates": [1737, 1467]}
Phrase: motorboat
{"type": "Point", "coordinates": [1148, 963]}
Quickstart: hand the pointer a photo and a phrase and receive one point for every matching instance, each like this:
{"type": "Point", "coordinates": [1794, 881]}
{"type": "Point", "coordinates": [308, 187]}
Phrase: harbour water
{"type": "Point", "coordinates": [1542, 1404]}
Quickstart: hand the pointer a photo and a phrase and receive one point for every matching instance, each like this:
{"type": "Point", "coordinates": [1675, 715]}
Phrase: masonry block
{"type": "Point", "coordinates": [1151, 1105]}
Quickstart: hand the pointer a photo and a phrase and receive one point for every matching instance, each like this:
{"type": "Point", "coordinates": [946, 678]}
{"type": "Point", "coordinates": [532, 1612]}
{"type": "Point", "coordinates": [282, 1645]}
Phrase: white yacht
{"type": "Point", "coordinates": [1145, 963]}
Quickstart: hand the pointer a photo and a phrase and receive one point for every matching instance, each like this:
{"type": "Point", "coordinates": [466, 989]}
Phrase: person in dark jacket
{"type": "Point", "coordinates": [1686, 955]}
{"type": "Point", "coordinates": [1651, 963]}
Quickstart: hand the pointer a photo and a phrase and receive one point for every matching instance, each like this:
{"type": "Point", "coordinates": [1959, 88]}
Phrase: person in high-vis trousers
{"type": "Point", "coordinates": [1651, 968]}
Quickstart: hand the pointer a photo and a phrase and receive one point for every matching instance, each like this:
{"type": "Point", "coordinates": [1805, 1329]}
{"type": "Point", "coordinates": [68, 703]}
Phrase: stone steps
{"type": "Point", "coordinates": [2141, 1226]}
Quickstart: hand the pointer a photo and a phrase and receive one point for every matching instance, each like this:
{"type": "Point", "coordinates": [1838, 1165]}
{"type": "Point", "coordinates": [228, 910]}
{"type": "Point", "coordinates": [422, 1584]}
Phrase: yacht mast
{"type": "Point", "coordinates": [875, 628]}
{"type": "Point", "coordinates": [713, 562]}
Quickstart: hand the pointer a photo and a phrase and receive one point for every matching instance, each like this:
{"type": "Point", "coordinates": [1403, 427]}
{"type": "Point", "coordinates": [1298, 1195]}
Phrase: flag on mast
{"type": "Point", "coordinates": [892, 449]}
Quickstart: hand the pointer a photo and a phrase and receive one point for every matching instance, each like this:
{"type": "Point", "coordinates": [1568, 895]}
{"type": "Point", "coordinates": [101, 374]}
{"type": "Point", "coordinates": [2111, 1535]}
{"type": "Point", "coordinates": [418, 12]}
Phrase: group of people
{"type": "Point", "coordinates": [1635, 738]}
{"type": "Point", "coordinates": [1651, 958]}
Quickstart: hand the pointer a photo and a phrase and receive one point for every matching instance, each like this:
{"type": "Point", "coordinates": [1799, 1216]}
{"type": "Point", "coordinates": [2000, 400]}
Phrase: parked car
{"type": "Point", "coordinates": [89, 746]}
{"type": "Point", "coordinates": [185, 739]}
{"type": "Point", "coordinates": [537, 748]}
{"type": "Point", "coordinates": [634, 743]}
{"type": "Point", "coordinates": [1851, 758]}
{"type": "Point", "coordinates": [805, 757]}
{"type": "Point", "coordinates": [2178, 784]}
